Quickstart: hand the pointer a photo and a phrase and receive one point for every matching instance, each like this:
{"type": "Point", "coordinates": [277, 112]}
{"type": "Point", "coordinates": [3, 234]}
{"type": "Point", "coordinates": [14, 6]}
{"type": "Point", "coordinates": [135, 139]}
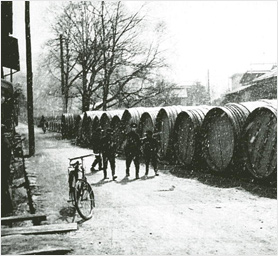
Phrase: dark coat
{"type": "Point", "coordinates": [133, 143]}
{"type": "Point", "coordinates": [150, 146]}
{"type": "Point", "coordinates": [96, 142]}
{"type": "Point", "coordinates": [108, 146]}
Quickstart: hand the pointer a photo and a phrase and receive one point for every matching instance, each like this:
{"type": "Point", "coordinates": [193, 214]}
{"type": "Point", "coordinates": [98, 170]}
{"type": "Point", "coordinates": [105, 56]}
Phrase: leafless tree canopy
{"type": "Point", "coordinates": [106, 60]}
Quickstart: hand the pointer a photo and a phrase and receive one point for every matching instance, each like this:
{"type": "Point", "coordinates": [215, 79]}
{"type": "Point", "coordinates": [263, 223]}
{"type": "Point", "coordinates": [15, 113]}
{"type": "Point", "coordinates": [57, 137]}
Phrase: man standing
{"type": "Point", "coordinates": [132, 149]}
{"type": "Point", "coordinates": [150, 150]}
{"type": "Point", "coordinates": [96, 148]}
{"type": "Point", "coordinates": [108, 149]}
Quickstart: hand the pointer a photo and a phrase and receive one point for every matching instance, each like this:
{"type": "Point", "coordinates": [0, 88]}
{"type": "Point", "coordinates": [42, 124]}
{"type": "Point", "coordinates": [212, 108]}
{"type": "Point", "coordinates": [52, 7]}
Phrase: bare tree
{"type": "Point", "coordinates": [164, 95]}
{"type": "Point", "coordinates": [126, 58]}
{"type": "Point", "coordinates": [198, 95]}
{"type": "Point", "coordinates": [62, 33]}
{"type": "Point", "coordinates": [106, 59]}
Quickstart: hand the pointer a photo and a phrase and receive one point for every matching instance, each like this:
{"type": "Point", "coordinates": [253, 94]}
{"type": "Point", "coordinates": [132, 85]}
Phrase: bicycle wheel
{"type": "Point", "coordinates": [84, 199]}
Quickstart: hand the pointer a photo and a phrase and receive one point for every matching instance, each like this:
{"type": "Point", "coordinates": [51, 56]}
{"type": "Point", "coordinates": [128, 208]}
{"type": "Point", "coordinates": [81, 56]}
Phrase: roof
{"type": "Point", "coordinates": [236, 75]}
{"type": "Point", "coordinates": [270, 74]}
{"type": "Point", "coordinates": [250, 75]}
{"type": "Point", "coordinates": [180, 91]}
{"type": "Point", "coordinates": [239, 89]}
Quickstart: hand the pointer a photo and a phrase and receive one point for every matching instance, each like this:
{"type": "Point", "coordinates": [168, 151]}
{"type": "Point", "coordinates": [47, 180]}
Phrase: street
{"type": "Point", "coordinates": [162, 214]}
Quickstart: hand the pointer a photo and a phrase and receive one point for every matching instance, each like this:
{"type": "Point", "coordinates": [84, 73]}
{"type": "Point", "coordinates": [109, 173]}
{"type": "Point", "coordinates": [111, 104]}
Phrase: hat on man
{"type": "Point", "coordinates": [133, 125]}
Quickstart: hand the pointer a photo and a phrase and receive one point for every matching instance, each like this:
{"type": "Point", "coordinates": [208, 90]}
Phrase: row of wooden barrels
{"type": "Point", "coordinates": [54, 123]}
{"type": "Point", "coordinates": [233, 137]}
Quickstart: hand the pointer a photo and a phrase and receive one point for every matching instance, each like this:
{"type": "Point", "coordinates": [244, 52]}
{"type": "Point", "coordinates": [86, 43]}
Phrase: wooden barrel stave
{"type": "Point", "coordinates": [184, 141]}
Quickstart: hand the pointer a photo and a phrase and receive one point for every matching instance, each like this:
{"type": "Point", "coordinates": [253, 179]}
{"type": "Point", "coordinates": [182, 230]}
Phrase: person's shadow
{"type": "Point", "coordinates": [124, 181]}
{"type": "Point", "coordinates": [101, 182]}
{"type": "Point", "coordinates": [127, 180]}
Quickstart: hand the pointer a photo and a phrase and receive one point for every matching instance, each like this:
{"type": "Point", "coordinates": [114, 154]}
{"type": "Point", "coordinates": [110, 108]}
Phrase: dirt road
{"type": "Point", "coordinates": [158, 215]}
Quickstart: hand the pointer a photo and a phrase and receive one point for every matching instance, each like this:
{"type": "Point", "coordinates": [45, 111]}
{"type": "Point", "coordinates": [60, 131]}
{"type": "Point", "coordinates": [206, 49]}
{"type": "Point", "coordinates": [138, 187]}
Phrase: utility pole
{"type": "Point", "coordinates": [29, 81]}
{"type": "Point", "coordinates": [62, 75]}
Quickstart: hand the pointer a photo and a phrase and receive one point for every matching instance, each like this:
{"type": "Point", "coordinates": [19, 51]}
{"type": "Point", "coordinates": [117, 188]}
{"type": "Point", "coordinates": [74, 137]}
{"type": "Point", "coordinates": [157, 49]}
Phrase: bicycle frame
{"type": "Point", "coordinates": [79, 186]}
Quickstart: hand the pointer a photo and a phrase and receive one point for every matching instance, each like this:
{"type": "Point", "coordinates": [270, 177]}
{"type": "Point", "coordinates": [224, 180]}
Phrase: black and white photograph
{"type": "Point", "coordinates": [139, 128]}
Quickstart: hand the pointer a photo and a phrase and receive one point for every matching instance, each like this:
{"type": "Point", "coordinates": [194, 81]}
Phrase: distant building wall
{"type": "Point", "coordinates": [262, 89]}
{"type": "Point", "coordinates": [235, 81]}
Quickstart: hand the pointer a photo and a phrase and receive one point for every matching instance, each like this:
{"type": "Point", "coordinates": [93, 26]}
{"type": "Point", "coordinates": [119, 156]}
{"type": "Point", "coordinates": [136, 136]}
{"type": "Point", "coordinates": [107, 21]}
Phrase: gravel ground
{"type": "Point", "coordinates": [172, 214]}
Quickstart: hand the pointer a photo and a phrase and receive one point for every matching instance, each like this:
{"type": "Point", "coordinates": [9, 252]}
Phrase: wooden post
{"type": "Point", "coordinates": [29, 81]}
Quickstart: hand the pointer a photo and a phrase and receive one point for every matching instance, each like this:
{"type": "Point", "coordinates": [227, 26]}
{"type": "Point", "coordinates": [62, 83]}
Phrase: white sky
{"type": "Point", "coordinates": [224, 37]}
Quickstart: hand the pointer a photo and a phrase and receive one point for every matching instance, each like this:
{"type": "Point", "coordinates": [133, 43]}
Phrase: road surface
{"type": "Point", "coordinates": [163, 214]}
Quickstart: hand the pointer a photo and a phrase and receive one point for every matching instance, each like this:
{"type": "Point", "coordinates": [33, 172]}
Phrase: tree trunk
{"type": "Point", "coordinates": [85, 102]}
{"type": "Point", "coordinates": [104, 96]}
{"type": "Point", "coordinates": [64, 102]}
{"type": "Point", "coordinates": [85, 96]}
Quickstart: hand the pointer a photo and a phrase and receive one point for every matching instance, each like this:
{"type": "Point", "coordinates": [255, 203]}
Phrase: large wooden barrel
{"type": "Point", "coordinates": [79, 125]}
{"type": "Point", "coordinates": [115, 125]}
{"type": "Point", "coordinates": [92, 123]}
{"type": "Point", "coordinates": [54, 123]}
{"type": "Point", "coordinates": [68, 125]}
{"type": "Point", "coordinates": [131, 115]}
{"type": "Point", "coordinates": [221, 131]}
{"type": "Point", "coordinates": [147, 121]}
{"type": "Point", "coordinates": [186, 138]}
{"type": "Point", "coordinates": [86, 130]}
{"type": "Point", "coordinates": [105, 120]}
{"type": "Point", "coordinates": [164, 126]}
{"type": "Point", "coordinates": [259, 142]}
{"type": "Point", "coordinates": [96, 122]}
{"type": "Point", "coordinates": [107, 116]}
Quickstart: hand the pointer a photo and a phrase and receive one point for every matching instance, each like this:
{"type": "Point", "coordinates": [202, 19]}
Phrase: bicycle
{"type": "Point", "coordinates": [80, 191]}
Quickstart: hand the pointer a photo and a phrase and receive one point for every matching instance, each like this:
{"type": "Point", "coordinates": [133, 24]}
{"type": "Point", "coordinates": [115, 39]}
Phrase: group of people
{"type": "Point", "coordinates": [105, 148]}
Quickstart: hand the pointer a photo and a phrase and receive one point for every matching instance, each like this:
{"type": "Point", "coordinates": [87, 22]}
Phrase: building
{"type": "Point", "coordinates": [191, 95]}
{"type": "Point", "coordinates": [180, 94]}
{"type": "Point", "coordinates": [9, 44]}
{"type": "Point", "coordinates": [235, 81]}
{"type": "Point", "coordinates": [255, 86]}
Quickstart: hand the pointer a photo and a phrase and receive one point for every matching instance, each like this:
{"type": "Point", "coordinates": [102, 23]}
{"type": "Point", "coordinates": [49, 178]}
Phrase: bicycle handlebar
{"type": "Point", "coordinates": [81, 157]}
